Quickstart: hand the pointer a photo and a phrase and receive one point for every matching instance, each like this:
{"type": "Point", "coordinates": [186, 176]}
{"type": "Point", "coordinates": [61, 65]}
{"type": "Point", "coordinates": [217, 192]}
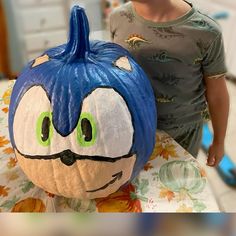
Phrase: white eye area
{"type": "Point", "coordinates": [33, 130]}
{"type": "Point", "coordinates": [112, 123]}
{"type": "Point", "coordinates": [104, 110]}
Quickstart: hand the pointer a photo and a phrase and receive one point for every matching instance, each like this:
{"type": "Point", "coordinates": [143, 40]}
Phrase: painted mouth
{"type": "Point", "coordinates": [116, 177]}
{"type": "Point", "coordinates": [68, 157]}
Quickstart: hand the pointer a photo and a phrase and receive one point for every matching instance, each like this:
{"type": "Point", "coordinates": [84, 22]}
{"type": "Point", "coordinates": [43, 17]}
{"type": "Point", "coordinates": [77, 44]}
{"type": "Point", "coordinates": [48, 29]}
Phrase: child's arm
{"type": "Point", "coordinates": [218, 102]}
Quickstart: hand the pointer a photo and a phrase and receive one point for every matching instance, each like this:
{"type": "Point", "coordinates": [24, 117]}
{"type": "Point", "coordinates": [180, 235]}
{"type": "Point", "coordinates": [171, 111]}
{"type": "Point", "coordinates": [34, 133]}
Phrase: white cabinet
{"type": "Point", "coordinates": [36, 25]}
{"type": "Point", "coordinates": [43, 18]}
{"type": "Point", "coordinates": [39, 25]}
{"type": "Point", "coordinates": [26, 3]}
{"type": "Point", "coordinates": [42, 41]}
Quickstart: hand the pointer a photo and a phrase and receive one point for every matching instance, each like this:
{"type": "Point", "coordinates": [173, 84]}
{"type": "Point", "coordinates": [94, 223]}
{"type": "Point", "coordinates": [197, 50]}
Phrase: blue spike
{"type": "Point", "coordinates": [78, 46]}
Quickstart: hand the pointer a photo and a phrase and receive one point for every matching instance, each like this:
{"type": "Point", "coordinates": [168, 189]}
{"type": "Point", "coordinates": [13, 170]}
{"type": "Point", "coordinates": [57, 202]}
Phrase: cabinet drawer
{"type": "Point", "coordinates": [41, 19]}
{"type": "Point", "coordinates": [24, 3]}
{"type": "Point", "coordinates": [43, 41]}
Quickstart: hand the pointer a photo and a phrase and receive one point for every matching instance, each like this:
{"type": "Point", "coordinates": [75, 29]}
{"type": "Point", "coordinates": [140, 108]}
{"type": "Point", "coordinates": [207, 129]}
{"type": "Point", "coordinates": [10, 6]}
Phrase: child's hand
{"type": "Point", "coordinates": [215, 154]}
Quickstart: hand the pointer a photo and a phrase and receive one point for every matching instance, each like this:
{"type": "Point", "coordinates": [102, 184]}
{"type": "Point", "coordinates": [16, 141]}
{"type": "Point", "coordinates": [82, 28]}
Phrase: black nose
{"type": "Point", "coordinates": [68, 157]}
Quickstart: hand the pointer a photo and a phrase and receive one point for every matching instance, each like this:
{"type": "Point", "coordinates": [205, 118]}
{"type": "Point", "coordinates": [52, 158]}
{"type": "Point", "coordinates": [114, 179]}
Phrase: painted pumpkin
{"type": "Point", "coordinates": [82, 116]}
{"type": "Point", "coordinates": [179, 176]}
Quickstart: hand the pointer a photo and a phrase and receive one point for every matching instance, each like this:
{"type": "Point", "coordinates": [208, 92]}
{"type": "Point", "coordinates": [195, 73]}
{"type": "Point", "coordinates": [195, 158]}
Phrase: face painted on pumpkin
{"type": "Point", "coordinates": [85, 144]}
{"type": "Point", "coordinates": [82, 117]}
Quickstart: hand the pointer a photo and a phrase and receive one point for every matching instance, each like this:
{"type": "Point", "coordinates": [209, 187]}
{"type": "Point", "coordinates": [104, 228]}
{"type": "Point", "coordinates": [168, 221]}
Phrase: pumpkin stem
{"type": "Point", "coordinates": [78, 44]}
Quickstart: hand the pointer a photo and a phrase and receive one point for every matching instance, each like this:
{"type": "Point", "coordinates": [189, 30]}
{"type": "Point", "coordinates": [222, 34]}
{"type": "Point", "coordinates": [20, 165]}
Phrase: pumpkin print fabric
{"type": "Point", "coordinates": [151, 191]}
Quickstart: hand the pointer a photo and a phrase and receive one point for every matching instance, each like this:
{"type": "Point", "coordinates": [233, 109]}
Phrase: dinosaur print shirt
{"type": "Point", "coordinates": [176, 56]}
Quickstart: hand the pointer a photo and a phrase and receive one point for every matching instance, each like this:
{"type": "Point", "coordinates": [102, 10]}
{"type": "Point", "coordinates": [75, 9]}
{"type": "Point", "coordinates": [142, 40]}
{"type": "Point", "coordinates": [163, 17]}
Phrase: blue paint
{"type": "Point", "coordinates": [77, 68]}
{"type": "Point", "coordinates": [226, 166]}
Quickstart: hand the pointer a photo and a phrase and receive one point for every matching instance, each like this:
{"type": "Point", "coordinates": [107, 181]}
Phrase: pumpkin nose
{"type": "Point", "coordinates": [68, 157]}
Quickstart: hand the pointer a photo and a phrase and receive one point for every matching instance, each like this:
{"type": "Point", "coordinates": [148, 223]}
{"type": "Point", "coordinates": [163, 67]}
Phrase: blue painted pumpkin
{"type": "Point", "coordinates": [82, 116]}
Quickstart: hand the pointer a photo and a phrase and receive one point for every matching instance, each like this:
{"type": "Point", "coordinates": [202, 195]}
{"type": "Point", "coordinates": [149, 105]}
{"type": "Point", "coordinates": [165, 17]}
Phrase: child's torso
{"type": "Point", "coordinates": [171, 54]}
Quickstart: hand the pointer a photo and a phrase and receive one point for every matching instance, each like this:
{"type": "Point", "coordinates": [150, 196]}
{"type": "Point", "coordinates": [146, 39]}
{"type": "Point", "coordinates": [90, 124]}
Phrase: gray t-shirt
{"type": "Point", "coordinates": [176, 56]}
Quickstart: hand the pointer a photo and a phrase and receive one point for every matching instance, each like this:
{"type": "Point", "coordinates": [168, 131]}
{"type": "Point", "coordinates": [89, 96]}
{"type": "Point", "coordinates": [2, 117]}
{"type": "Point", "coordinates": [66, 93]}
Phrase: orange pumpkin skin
{"type": "Point", "coordinates": [29, 205]}
{"type": "Point", "coordinates": [120, 201]}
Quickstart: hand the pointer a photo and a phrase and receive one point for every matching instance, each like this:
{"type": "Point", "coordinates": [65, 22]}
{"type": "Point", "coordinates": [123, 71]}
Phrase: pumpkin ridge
{"type": "Point", "coordinates": [55, 179]}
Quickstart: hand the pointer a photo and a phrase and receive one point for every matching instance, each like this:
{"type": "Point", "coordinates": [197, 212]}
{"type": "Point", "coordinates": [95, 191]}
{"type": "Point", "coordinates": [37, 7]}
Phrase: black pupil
{"type": "Point", "coordinates": [86, 128]}
{"type": "Point", "coordinates": [45, 128]}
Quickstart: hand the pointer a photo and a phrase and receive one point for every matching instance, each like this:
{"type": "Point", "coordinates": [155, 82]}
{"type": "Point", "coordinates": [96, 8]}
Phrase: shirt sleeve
{"type": "Point", "coordinates": [214, 58]}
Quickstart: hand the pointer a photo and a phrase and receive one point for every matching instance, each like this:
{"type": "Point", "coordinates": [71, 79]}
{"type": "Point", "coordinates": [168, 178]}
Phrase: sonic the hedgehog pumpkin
{"type": "Point", "coordinates": [82, 116]}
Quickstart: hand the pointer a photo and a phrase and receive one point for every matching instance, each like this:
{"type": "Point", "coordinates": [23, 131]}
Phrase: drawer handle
{"type": "Point", "coordinates": [42, 22]}
{"type": "Point", "coordinates": [46, 43]}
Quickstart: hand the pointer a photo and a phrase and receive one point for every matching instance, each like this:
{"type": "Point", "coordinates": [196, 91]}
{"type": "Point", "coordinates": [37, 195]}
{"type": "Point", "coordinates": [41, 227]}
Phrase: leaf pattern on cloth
{"type": "Point", "coordinates": [148, 166]}
{"type": "Point", "coordinates": [167, 151]}
{"type": "Point", "coordinates": [8, 150]}
{"type": "Point", "coordinates": [164, 148]}
{"type": "Point", "coordinates": [124, 200]}
{"type": "Point", "coordinates": [6, 96]}
{"type": "Point", "coordinates": [4, 191]}
{"type": "Point", "coordinates": [166, 193]}
{"type": "Point", "coordinates": [11, 176]}
{"type": "Point", "coordinates": [3, 141]}
{"type": "Point", "coordinates": [12, 163]}
{"type": "Point", "coordinates": [26, 186]}
{"type": "Point", "coordinates": [8, 204]}
{"type": "Point", "coordinates": [5, 109]}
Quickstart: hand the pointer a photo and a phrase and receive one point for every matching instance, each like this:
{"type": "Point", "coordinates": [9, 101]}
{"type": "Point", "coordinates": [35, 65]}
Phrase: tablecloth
{"type": "Point", "coordinates": [172, 181]}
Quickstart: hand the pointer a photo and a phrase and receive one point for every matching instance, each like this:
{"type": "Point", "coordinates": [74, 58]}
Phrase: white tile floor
{"type": "Point", "coordinates": [225, 195]}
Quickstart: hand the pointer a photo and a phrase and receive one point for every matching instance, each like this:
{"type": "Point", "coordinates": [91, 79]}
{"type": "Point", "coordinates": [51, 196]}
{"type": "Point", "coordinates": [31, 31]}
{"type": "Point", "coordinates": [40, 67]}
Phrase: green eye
{"type": "Point", "coordinates": [44, 128]}
{"type": "Point", "coordinates": [86, 130]}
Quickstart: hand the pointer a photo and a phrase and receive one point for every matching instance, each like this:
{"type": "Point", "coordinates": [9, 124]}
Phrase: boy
{"type": "Point", "coordinates": [182, 52]}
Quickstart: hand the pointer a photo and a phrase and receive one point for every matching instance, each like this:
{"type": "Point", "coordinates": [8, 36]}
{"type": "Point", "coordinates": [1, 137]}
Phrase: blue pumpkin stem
{"type": "Point", "coordinates": [78, 46]}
